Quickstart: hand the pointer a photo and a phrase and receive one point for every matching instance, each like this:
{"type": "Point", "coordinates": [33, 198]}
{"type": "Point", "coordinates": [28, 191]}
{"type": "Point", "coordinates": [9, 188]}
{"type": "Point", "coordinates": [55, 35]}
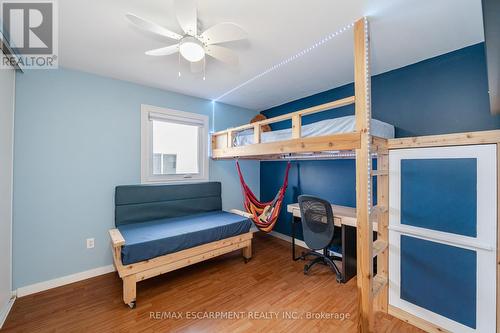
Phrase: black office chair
{"type": "Point", "coordinates": [319, 231]}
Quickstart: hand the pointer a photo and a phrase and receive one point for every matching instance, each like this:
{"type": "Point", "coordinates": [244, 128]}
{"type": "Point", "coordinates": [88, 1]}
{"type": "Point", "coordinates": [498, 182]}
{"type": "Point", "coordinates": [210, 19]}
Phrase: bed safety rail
{"type": "Point", "coordinates": [223, 147]}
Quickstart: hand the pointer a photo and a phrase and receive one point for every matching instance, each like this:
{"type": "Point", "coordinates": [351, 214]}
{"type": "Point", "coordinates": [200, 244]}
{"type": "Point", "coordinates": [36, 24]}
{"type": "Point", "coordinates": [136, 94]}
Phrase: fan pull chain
{"type": "Point", "coordinates": [204, 66]}
{"type": "Point", "coordinates": [179, 64]}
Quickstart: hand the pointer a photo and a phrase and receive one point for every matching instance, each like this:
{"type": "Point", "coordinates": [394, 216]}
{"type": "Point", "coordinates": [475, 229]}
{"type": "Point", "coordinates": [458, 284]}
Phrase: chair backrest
{"type": "Point", "coordinates": [142, 203]}
{"type": "Point", "coordinates": [317, 221]}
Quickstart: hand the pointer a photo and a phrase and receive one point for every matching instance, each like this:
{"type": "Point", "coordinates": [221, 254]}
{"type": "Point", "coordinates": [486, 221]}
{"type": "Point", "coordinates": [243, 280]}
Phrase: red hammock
{"type": "Point", "coordinates": [265, 214]}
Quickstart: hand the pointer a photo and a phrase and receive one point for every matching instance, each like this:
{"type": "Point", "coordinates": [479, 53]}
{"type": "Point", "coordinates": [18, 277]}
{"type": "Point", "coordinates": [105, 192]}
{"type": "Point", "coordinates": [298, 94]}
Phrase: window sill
{"type": "Point", "coordinates": [166, 181]}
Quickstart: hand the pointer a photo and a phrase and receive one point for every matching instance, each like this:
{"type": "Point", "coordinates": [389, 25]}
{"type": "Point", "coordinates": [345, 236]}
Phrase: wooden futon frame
{"type": "Point", "coordinates": [133, 273]}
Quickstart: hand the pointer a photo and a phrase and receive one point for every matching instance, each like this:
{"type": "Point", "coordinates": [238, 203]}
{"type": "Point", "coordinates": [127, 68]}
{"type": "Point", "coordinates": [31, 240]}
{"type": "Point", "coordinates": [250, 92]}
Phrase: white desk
{"type": "Point", "coordinates": [345, 218]}
{"type": "Point", "coordinates": [342, 215]}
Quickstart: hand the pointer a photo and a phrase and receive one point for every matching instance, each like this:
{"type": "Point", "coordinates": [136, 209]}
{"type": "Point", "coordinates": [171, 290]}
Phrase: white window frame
{"type": "Point", "coordinates": [189, 118]}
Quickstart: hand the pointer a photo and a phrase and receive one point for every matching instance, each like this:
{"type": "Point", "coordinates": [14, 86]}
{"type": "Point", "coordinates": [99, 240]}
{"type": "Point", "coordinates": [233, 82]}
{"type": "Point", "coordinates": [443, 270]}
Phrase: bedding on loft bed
{"type": "Point", "coordinates": [339, 125]}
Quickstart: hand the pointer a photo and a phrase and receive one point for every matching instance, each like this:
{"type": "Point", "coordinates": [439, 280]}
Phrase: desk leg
{"type": "Point", "coordinates": [293, 242]}
{"type": "Point", "coordinates": [348, 252]}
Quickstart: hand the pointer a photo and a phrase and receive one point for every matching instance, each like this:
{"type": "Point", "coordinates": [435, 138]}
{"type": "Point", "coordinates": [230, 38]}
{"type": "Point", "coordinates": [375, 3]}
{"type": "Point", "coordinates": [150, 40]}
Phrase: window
{"type": "Point", "coordinates": [174, 145]}
{"type": "Point", "coordinates": [164, 164]}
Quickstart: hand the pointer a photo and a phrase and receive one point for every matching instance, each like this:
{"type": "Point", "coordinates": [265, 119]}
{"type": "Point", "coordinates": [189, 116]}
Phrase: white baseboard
{"type": "Point", "coordinates": [4, 311]}
{"type": "Point", "coordinates": [284, 237]}
{"type": "Point", "coordinates": [298, 242]}
{"type": "Point", "coordinates": [63, 280]}
{"type": "Point", "coordinates": [281, 236]}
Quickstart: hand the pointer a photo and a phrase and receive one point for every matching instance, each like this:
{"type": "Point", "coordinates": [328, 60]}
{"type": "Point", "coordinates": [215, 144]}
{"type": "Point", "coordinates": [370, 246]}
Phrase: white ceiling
{"type": "Point", "coordinates": [95, 37]}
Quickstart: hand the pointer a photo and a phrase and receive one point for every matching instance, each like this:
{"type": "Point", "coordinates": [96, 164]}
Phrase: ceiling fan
{"type": "Point", "coordinates": [194, 45]}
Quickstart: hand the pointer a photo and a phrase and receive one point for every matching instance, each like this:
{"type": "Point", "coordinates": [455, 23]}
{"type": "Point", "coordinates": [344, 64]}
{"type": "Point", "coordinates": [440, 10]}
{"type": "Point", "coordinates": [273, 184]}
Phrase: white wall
{"type": "Point", "coordinates": [7, 78]}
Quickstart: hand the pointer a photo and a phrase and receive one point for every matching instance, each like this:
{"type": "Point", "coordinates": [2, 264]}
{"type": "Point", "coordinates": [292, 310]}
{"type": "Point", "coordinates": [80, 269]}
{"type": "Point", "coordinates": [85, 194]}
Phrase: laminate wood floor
{"type": "Point", "coordinates": [268, 294]}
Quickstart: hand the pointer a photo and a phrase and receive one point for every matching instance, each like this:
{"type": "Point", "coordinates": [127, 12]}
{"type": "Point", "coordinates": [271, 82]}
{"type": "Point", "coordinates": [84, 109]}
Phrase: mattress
{"type": "Point", "coordinates": [147, 240]}
{"type": "Point", "coordinates": [339, 125]}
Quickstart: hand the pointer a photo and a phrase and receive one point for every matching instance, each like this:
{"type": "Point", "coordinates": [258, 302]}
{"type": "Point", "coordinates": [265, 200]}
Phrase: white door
{"type": "Point", "coordinates": [7, 78]}
{"type": "Point", "coordinates": [442, 235]}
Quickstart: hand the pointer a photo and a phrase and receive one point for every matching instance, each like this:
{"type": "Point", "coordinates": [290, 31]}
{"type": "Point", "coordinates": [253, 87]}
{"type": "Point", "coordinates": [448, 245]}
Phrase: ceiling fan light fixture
{"type": "Point", "coordinates": [194, 45]}
{"type": "Point", "coordinates": [191, 49]}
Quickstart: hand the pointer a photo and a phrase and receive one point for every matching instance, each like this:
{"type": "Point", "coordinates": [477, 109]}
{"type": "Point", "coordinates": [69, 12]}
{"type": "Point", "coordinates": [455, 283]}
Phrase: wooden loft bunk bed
{"type": "Point", "coordinates": [372, 290]}
{"type": "Point", "coordinates": [334, 145]}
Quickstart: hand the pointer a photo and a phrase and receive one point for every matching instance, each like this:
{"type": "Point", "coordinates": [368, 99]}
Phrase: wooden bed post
{"type": "Point", "coordinates": [372, 290]}
{"type": "Point", "coordinates": [363, 176]}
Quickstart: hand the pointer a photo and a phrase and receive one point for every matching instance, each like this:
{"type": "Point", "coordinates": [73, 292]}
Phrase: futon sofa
{"type": "Point", "coordinates": [160, 228]}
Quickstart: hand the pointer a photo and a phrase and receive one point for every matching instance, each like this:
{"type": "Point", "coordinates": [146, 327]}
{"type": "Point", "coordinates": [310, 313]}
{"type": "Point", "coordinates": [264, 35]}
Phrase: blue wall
{"type": "Point", "coordinates": [77, 136]}
{"type": "Point", "coordinates": [445, 94]}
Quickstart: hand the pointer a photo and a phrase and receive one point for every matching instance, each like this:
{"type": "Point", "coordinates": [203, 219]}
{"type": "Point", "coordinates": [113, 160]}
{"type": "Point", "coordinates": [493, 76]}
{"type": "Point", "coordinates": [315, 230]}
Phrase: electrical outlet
{"type": "Point", "coordinates": [90, 243]}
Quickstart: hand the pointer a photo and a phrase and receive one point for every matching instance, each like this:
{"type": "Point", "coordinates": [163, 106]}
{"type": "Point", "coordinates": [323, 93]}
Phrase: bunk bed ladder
{"type": "Point", "coordinates": [372, 289]}
{"type": "Point", "coordinates": [381, 245]}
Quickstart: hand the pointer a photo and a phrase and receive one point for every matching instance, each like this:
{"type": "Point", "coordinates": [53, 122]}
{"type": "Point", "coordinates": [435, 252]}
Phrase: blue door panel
{"type": "Point", "coordinates": [440, 278]}
{"type": "Point", "coordinates": [440, 194]}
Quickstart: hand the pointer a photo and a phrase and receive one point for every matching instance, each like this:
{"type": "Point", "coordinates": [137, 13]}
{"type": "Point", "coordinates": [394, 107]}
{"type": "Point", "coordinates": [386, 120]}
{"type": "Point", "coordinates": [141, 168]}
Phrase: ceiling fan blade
{"type": "Point", "coordinates": [222, 54]}
{"type": "Point", "coordinates": [163, 51]}
{"type": "Point", "coordinates": [196, 67]}
{"type": "Point", "coordinates": [185, 11]}
{"type": "Point", "coordinates": [223, 32]}
{"type": "Point", "coordinates": [152, 27]}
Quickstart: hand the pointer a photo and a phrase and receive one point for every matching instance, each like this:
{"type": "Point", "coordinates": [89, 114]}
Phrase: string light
{"type": "Point", "coordinates": [368, 110]}
{"type": "Point", "coordinates": [288, 60]}
{"type": "Point", "coordinates": [326, 155]}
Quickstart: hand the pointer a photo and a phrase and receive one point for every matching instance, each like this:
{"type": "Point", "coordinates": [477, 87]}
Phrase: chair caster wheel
{"type": "Point", "coordinates": [306, 270]}
{"type": "Point", "coordinates": [131, 305]}
{"type": "Point", "coordinates": [339, 280]}
{"type": "Point", "coordinates": [247, 260]}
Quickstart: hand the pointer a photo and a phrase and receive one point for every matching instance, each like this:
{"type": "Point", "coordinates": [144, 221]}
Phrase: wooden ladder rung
{"type": "Point", "coordinates": [379, 281]}
{"type": "Point", "coordinates": [375, 211]}
{"type": "Point", "coordinates": [379, 152]}
{"type": "Point", "coordinates": [379, 173]}
{"type": "Point", "coordinates": [378, 247]}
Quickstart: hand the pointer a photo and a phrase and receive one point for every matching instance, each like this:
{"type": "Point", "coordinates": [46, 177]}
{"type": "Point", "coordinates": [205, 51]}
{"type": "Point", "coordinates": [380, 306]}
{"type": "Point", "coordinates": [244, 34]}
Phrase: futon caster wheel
{"type": "Point", "coordinates": [247, 260]}
{"type": "Point", "coordinates": [131, 305]}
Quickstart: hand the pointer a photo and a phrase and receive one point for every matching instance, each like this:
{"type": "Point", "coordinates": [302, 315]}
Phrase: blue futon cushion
{"type": "Point", "coordinates": [147, 240]}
